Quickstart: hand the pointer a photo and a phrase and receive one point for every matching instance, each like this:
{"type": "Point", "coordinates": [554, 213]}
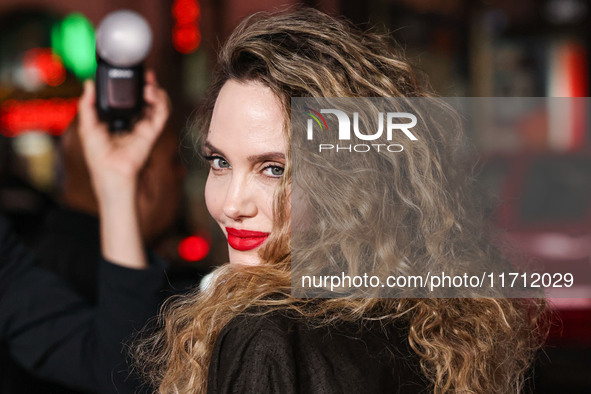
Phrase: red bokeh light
{"type": "Point", "coordinates": [48, 65]}
{"type": "Point", "coordinates": [52, 116]}
{"type": "Point", "coordinates": [186, 38]}
{"type": "Point", "coordinates": [193, 248]}
{"type": "Point", "coordinates": [186, 35]}
{"type": "Point", "coordinates": [186, 11]}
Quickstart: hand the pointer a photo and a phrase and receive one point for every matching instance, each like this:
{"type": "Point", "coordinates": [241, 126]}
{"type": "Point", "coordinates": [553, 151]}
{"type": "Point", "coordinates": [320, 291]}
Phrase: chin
{"type": "Point", "coordinates": [250, 258]}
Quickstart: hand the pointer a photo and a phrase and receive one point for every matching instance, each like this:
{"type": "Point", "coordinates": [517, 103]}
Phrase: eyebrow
{"type": "Point", "coordinates": [212, 148]}
{"type": "Point", "coordinates": [268, 156]}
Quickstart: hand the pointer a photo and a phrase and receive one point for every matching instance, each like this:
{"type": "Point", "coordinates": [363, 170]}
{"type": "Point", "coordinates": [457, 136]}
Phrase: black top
{"type": "Point", "coordinates": [280, 353]}
{"type": "Point", "coordinates": [52, 332]}
{"type": "Point", "coordinates": [69, 244]}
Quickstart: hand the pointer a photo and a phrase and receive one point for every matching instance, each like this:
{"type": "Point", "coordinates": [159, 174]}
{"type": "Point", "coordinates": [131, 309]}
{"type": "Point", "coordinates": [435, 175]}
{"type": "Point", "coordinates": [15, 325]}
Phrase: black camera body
{"type": "Point", "coordinates": [123, 40]}
{"type": "Point", "coordinates": [119, 94]}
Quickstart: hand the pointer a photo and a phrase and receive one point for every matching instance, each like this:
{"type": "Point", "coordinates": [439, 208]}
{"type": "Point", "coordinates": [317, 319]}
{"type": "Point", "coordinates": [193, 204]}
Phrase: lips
{"type": "Point", "coordinates": [245, 239]}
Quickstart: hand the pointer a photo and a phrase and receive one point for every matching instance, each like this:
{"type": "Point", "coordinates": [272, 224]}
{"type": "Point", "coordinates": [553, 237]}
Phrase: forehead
{"type": "Point", "coordinates": [247, 115]}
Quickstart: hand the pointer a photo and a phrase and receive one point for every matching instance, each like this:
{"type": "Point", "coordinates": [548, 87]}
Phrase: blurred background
{"type": "Point", "coordinates": [535, 180]}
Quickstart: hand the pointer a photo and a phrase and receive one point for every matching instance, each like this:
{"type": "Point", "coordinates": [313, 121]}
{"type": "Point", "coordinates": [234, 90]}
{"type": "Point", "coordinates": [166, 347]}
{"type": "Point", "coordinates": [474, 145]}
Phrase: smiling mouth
{"type": "Point", "coordinates": [243, 240]}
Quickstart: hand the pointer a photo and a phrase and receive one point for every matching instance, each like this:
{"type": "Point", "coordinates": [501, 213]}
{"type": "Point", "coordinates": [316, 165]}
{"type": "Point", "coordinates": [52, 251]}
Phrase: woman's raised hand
{"type": "Point", "coordinates": [120, 157]}
{"type": "Point", "coordinates": [115, 162]}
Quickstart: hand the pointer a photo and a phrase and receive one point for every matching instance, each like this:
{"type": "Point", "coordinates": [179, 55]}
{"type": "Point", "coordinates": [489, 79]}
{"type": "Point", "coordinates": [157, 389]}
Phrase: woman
{"type": "Point", "coordinates": [246, 333]}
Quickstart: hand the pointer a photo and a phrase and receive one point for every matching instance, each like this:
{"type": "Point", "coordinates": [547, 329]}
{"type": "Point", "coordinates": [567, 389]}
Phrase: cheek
{"type": "Point", "coordinates": [212, 198]}
{"type": "Point", "coordinates": [265, 204]}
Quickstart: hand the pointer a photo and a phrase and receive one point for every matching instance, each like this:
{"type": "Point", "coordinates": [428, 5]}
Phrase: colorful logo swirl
{"type": "Point", "coordinates": [317, 117]}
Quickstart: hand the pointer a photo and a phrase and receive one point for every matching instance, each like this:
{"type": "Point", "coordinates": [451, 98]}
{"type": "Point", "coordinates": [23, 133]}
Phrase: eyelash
{"type": "Point", "coordinates": [274, 166]}
{"type": "Point", "coordinates": [211, 159]}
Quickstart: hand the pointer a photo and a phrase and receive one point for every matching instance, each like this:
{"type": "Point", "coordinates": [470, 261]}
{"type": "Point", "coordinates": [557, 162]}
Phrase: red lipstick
{"type": "Point", "coordinates": [245, 239]}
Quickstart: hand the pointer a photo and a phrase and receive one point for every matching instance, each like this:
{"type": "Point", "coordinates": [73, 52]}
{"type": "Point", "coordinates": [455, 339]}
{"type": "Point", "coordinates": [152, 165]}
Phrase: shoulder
{"type": "Point", "coordinates": [256, 323]}
{"type": "Point", "coordinates": [281, 352]}
{"type": "Point", "coordinates": [252, 352]}
{"type": "Point", "coordinates": [262, 333]}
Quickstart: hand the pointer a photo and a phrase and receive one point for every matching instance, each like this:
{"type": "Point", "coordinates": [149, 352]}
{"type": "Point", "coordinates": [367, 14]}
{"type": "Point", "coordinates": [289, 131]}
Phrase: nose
{"type": "Point", "coordinates": [240, 202]}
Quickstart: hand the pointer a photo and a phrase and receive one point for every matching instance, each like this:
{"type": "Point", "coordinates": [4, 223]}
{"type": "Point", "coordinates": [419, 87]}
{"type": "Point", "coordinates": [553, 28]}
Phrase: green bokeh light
{"type": "Point", "coordinates": [73, 40]}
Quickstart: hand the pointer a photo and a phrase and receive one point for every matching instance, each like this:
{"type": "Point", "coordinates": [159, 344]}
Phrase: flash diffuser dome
{"type": "Point", "coordinates": [123, 38]}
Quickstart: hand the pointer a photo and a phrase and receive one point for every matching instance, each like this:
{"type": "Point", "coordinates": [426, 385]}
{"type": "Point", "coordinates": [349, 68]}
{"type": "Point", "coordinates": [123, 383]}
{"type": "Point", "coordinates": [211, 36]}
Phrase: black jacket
{"type": "Point", "coordinates": [52, 332]}
{"type": "Point", "coordinates": [281, 353]}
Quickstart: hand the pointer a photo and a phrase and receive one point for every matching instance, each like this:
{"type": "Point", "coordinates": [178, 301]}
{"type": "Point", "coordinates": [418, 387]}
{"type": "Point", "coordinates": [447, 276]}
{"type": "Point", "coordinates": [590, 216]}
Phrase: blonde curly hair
{"type": "Point", "coordinates": [468, 345]}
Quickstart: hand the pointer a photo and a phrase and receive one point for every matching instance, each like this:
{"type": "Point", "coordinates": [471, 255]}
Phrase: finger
{"type": "Point", "coordinates": [151, 77]}
{"type": "Point", "coordinates": [158, 108]}
{"type": "Point", "coordinates": [86, 103]}
{"type": "Point", "coordinates": [150, 94]}
{"type": "Point", "coordinates": [89, 125]}
{"type": "Point", "coordinates": [155, 114]}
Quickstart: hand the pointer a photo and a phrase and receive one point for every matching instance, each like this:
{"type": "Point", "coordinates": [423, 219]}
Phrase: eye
{"type": "Point", "coordinates": [274, 171]}
{"type": "Point", "coordinates": [217, 162]}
